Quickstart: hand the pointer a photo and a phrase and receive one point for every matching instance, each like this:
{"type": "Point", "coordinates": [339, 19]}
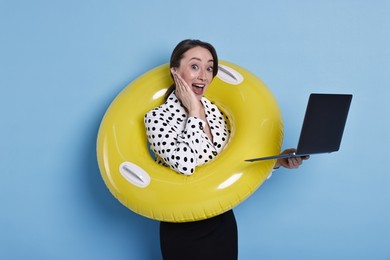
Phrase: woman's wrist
{"type": "Point", "coordinates": [194, 113]}
{"type": "Point", "coordinates": [277, 165]}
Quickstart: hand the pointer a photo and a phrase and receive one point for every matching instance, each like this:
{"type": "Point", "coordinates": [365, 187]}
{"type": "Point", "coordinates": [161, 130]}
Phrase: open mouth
{"type": "Point", "coordinates": [198, 88]}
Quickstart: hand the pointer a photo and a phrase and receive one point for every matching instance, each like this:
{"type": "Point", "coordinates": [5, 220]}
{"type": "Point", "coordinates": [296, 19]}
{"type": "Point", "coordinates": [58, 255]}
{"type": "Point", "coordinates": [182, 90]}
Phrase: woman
{"type": "Point", "coordinates": [187, 131]}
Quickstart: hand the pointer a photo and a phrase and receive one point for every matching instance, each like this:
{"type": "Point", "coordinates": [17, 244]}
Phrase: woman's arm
{"type": "Point", "coordinates": [178, 149]}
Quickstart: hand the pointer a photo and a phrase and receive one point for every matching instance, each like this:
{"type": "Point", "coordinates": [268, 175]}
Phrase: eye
{"type": "Point", "coordinates": [194, 66]}
{"type": "Point", "coordinates": [210, 69]}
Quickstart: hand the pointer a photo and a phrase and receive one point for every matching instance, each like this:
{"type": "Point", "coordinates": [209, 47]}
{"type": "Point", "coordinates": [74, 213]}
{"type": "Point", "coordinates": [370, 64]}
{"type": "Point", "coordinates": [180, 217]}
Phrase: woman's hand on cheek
{"type": "Point", "coordinates": [186, 96]}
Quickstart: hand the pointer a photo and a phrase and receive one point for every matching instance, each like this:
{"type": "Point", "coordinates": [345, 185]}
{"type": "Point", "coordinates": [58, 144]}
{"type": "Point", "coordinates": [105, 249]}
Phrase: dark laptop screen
{"type": "Point", "coordinates": [324, 123]}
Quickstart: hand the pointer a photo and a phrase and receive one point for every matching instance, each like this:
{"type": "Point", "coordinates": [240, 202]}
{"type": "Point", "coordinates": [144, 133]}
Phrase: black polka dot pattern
{"type": "Point", "coordinates": [179, 141]}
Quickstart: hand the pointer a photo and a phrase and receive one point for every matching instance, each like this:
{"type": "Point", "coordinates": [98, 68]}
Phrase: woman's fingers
{"type": "Point", "coordinates": [295, 162]}
{"type": "Point", "coordinates": [180, 84]}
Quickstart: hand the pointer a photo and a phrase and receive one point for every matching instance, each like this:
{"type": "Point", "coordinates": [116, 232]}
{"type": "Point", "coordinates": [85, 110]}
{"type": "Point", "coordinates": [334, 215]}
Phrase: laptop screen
{"type": "Point", "coordinates": [324, 123]}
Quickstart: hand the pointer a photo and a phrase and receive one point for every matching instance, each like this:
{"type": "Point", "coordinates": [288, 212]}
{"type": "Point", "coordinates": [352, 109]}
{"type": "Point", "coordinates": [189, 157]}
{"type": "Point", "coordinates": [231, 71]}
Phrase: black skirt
{"type": "Point", "coordinates": [213, 238]}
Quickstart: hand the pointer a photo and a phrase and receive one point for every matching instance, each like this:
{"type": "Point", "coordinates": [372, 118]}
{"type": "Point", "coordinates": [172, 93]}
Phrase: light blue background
{"type": "Point", "coordinates": [63, 62]}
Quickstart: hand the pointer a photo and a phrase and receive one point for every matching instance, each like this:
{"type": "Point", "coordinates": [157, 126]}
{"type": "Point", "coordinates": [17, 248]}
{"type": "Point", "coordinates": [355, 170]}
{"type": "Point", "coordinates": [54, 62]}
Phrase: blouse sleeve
{"type": "Point", "coordinates": [178, 149]}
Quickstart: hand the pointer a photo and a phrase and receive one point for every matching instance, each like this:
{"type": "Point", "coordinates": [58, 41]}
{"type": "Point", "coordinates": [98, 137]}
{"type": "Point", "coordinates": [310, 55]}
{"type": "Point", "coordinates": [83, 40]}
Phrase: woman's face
{"type": "Point", "coordinates": [196, 69]}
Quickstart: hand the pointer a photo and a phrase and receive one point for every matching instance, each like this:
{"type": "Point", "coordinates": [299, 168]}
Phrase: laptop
{"type": "Point", "coordinates": [323, 126]}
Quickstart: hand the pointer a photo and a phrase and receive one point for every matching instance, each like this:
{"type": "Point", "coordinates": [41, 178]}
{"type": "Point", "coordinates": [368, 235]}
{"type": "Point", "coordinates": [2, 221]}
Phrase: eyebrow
{"type": "Point", "coordinates": [195, 58]}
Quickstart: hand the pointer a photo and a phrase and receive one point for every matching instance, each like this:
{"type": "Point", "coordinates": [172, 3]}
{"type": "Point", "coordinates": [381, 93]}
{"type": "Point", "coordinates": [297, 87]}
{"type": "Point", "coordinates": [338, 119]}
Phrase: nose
{"type": "Point", "coordinates": [202, 75]}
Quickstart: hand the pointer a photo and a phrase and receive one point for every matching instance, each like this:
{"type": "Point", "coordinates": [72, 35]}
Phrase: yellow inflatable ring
{"type": "Point", "coordinates": [157, 192]}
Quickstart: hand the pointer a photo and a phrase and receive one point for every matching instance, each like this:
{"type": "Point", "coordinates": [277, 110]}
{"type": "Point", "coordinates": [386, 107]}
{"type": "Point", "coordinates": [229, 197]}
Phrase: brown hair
{"type": "Point", "coordinates": [178, 54]}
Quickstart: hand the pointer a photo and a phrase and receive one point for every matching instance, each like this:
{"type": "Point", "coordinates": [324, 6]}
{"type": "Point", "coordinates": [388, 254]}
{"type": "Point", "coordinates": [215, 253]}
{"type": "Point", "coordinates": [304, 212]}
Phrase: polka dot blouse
{"type": "Point", "coordinates": [179, 141]}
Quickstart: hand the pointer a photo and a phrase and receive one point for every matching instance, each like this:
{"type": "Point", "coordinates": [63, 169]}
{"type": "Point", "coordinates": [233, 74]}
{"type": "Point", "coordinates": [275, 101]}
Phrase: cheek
{"type": "Point", "coordinates": [210, 77]}
{"type": "Point", "coordinates": [188, 76]}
